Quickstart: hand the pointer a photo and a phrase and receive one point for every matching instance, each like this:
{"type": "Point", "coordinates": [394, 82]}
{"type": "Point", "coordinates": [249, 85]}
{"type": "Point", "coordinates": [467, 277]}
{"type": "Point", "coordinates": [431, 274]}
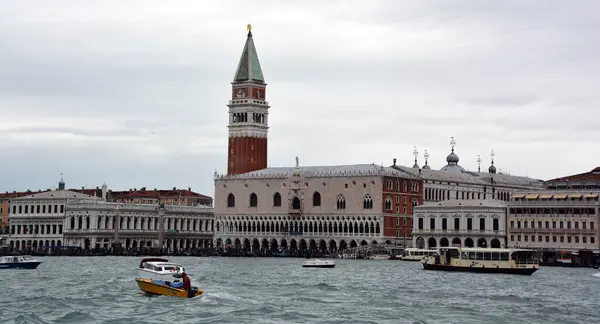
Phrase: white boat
{"type": "Point", "coordinates": [316, 263]}
{"type": "Point", "coordinates": [19, 262]}
{"type": "Point", "coordinates": [379, 257]}
{"type": "Point", "coordinates": [414, 254]}
{"type": "Point", "coordinates": [483, 260]}
{"type": "Point", "coordinates": [160, 269]}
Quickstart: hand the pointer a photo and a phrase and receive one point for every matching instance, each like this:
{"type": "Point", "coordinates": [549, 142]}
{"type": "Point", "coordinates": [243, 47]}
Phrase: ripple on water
{"type": "Point", "coordinates": [279, 290]}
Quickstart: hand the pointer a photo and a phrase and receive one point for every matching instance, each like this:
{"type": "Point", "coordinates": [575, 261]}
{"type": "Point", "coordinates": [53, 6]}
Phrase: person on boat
{"type": "Point", "coordinates": [187, 284]}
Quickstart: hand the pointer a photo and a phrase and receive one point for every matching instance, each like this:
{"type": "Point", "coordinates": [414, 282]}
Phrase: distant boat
{"type": "Point", "coordinates": [483, 260]}
{"type": "Point", "coordinates": [316, 263]}
{"type": "Point", "coordinates": [19, 262]}
{"type": "Point", "coordinates": [379, 257]}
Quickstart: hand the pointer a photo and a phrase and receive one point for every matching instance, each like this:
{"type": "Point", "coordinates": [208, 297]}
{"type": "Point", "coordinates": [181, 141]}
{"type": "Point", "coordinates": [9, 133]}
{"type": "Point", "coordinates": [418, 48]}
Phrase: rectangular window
{"type": "Point", "coordinates": [420, 223]}
{"type": "Point", "coordinates": [404, 221]}
{"type": "Point", "coordinates": [397, 233]}
{"type": "Point", "coordinates": [512, 237]}
{"type": "Point", "coordinates": [547, 238]}
{"type": "Point", "coordinates": [562, 239]}
{"type": "Point", "coordinates": [432, 223]}
{"type": "Point", "coordinates": [397, 221]}
{"type": "Point", "coordinates": [482, 224]}
{"type": "Point", "coordinates": [547, 224]}
{"type": "Point", "coordinates": [469, 224]}
{"type": "Point", "coordinates": [496, 224]}
{"type": "Point", "coordinates": [444, 224]}
{"type": "Point", "coordinates": [591, 225]}
{"type": "Point", "coordinates": [457, 224]}
{"type": "Point", "coordinates": [518, 224]}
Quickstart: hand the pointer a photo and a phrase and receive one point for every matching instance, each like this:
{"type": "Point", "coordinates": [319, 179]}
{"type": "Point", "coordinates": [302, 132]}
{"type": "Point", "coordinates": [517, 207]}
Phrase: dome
{"type": "Point", "coordinates": [492, 169]}
{"type": "Point", "coordinates": [453, 168]}
{"type": "Point", "coordinates": [452, 158]}
{"type": "Point", "coordinates": [426, 166]}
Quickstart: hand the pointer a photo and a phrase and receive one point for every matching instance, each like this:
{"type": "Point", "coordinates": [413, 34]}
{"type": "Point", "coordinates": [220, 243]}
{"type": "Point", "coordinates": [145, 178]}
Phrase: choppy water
{"type": "Point", "coordinates": [278, 290]}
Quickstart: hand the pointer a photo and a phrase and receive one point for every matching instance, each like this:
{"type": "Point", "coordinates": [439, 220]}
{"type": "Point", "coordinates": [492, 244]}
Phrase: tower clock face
{"type": "Point", "coordinates": [241, 93]}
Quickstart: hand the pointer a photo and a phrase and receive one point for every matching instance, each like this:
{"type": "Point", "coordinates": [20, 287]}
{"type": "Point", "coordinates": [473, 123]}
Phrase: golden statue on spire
{"type": "Point", "coordinates": [249, 27]}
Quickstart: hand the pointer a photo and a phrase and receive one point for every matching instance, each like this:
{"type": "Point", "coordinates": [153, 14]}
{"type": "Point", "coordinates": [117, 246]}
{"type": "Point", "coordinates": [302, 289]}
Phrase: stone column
{"type": "Point", "coordinates": [161, 225]}
{"type": "Point", "coordinates": [117, 239]}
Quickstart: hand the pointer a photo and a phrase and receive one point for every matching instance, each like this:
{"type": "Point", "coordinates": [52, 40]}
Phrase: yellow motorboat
{"type": "Point", "coordinates": [165, 288]}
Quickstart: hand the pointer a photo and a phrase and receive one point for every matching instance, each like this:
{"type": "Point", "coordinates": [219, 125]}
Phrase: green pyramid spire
{"type": "Point", "coordinates": [249, 66]}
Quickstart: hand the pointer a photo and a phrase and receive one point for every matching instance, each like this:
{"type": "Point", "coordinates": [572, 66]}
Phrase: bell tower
{"type": "Point", "coordinates": [248, 114]}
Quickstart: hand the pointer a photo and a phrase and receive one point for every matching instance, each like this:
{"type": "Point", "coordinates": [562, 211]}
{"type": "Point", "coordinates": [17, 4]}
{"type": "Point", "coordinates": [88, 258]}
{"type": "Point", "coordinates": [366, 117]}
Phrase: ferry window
{"type": "Point", "coordinates": [495, 256]}
{"type": "Point", "coordinates": [496, 224]}
{"type": "Point", "coordinates": [487, 256]}
{"type": "Point", "coordinates": [479, 255]}
{"type": "Point", "coordinates": [504, 256]}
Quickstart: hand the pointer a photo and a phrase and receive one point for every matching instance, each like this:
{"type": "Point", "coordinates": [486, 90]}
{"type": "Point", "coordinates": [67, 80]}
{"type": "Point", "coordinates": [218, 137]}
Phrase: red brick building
{"type": "Point", "coordinates": [399, 196]}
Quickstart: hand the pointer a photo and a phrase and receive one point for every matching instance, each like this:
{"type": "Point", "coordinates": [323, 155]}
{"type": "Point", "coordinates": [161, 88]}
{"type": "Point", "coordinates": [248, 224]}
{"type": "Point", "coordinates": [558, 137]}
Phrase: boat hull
{"type": "Point", "coordinates": [518, 271]}
{"type": "Point", "coordinates": [20, 265]}
{"type": "Point", "coordinates": [158, 288]}
{"type": "Point", "coordinates": [318, 266]}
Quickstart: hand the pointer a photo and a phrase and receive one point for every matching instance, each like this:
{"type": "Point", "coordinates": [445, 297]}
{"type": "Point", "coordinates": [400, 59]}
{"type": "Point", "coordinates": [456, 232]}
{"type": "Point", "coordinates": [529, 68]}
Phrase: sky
{"type": "Point", "coordinates": [133, 93]}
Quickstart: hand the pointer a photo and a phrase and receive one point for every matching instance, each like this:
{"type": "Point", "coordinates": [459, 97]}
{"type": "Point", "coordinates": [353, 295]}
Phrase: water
{"type": "Point", "coordinates": [279, 290]}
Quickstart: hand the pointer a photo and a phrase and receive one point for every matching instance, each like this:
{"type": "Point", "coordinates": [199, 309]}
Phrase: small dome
{"type": "Point", "coordinates": [416, 165]}
{"type": "Point", "coordinates": [426, 166]}
{"type": "Point", "coordinates": [492, 169]}
{"type": "Point", "coordinates": [452, 158]}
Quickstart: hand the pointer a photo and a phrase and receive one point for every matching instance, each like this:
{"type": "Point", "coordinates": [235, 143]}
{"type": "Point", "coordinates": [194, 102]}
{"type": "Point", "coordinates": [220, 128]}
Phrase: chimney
{"type": "Point", "coordinates": [174, 188]}
{"type": "Point", "coordinates": [395, 161]}
{"type": "Point", "coordinates": [104, 191]}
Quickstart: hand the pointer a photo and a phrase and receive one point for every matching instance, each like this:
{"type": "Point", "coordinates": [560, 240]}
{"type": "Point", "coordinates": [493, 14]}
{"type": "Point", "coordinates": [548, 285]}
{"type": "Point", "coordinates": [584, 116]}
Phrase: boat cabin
{"type": "Point", "coordinates": [486, 257]}
{"type": "Point", "coordinates": [414, 254]}
{"type": "Point", "coordinates": [160, 269]}
{"type": "Point", "coordinates": [16, 259]}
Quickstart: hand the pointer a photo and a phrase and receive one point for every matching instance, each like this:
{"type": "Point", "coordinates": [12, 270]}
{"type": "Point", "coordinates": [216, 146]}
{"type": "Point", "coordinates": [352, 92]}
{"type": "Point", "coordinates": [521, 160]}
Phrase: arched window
{"type": "Point", "coordinates": [341, 202]}
{"type": "Point", "coordinates": [316, 199]}
{"type": "Point", "coordinates": [397, 185]}
{"type": "Point", "coordinates": [231, 200]}
{"type": "Point", "coordinates": [368, 202]}
{"type": "Point", "coordinates": [388, 203]}
{"type": "Point", "coordinates": [390, 185]}
{"type": "Point", "coordinates": [405, 186]}
{"type": "Point", "coordinates": [296, 203]}
{"type": "Point", "coordinates": [277, 200]}
{"type": "Point", "coordinates": [415, 202]}
{"type": "Point", "coordinates": [253, 200]}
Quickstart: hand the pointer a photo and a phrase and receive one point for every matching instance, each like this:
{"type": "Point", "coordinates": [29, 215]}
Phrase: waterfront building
{"type": "Point", "coordinates": [564, 220]}
{"type": "Point", "coordinates": [582, 181]}
{"type": "Point", "coordinates": [468, 223]}
{"type": "Point", "coordinates": [93, 223]}
{"type": "Point", "coordinates": [453, 182]}
{"type": "Point", "coordinates": [175, 196]}
{"type": "Point", "coordinates": [315, 207]}
{"type": "Point", "coordinates": [37, 219]}
{"type": "Point", "coordinates": [318, 207]}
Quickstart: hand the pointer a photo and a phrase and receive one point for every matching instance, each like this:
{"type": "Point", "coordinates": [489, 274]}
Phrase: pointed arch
{"type": "Point", "coordinates": [388, 203]}
{"type": "Point", "coordinates": [296, 203]}
{"type": "Point", "coordinates": [316, 199]}
{"type": "Point", "coordinates": [368, 202]}
{"type": "Point", "coordinates": [277, 200]}
{"type": "Point", "coordinates": [230, 200]}
{"type": "Point", "coordinates": [341, 202]}
{"type": "Point", "coordinates": [253, 200]}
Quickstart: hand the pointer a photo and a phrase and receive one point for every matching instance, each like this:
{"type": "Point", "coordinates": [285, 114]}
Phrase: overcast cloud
{"type": "Point", "coordinates": [83, 85]}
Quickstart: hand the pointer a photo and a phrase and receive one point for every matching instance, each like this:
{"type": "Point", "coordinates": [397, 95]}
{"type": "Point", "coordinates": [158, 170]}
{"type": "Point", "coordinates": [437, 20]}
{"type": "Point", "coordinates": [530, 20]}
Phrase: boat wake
{"type": "Point", "coordinates": [597, 274]}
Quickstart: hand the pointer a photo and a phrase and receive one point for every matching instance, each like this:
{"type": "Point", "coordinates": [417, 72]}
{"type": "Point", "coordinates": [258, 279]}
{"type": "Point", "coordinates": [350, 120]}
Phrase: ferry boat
{"type": "Point", "coordinates": [19, 262]}
{"type": "Point", "coordinates": [316, 263]}
{"type": "Point", "coordinates": [483, 260]}
{"type": "Point", "coordinates": [160, 277]}
{"type": "Point", "coordinates": [414, 254]}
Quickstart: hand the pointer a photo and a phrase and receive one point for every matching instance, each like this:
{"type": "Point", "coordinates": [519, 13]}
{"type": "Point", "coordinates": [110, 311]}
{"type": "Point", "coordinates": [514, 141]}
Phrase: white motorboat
{"type": "Point", "coordinates": [379, 257]}
{"type": "Point", "coordinates": [316, 263]}
{"type": "Point", "coordinates": [160, 269]}
{"type": "Point", "coordinates": [19, 262]}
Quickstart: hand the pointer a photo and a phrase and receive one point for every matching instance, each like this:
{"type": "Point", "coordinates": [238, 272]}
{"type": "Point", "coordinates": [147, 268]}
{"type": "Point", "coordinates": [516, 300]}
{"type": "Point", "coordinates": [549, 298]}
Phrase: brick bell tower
{"type": "Point", "coordinates": [248, 115]}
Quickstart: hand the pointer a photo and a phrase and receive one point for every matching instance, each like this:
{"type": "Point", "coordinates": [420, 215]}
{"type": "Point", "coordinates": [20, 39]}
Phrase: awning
{"type": "Point", "coordinates": [590, 196]}
{"type": "Point", "coordinates": [531, 196]}
{"type": "Point", "coordinates": [575, 195]}
{"type": "Point", "coordinates": [545, 196]}
{"type": "Point", "coordinates": [560, 196]}
{"type": "Point", "coordinates": [519, 196]}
